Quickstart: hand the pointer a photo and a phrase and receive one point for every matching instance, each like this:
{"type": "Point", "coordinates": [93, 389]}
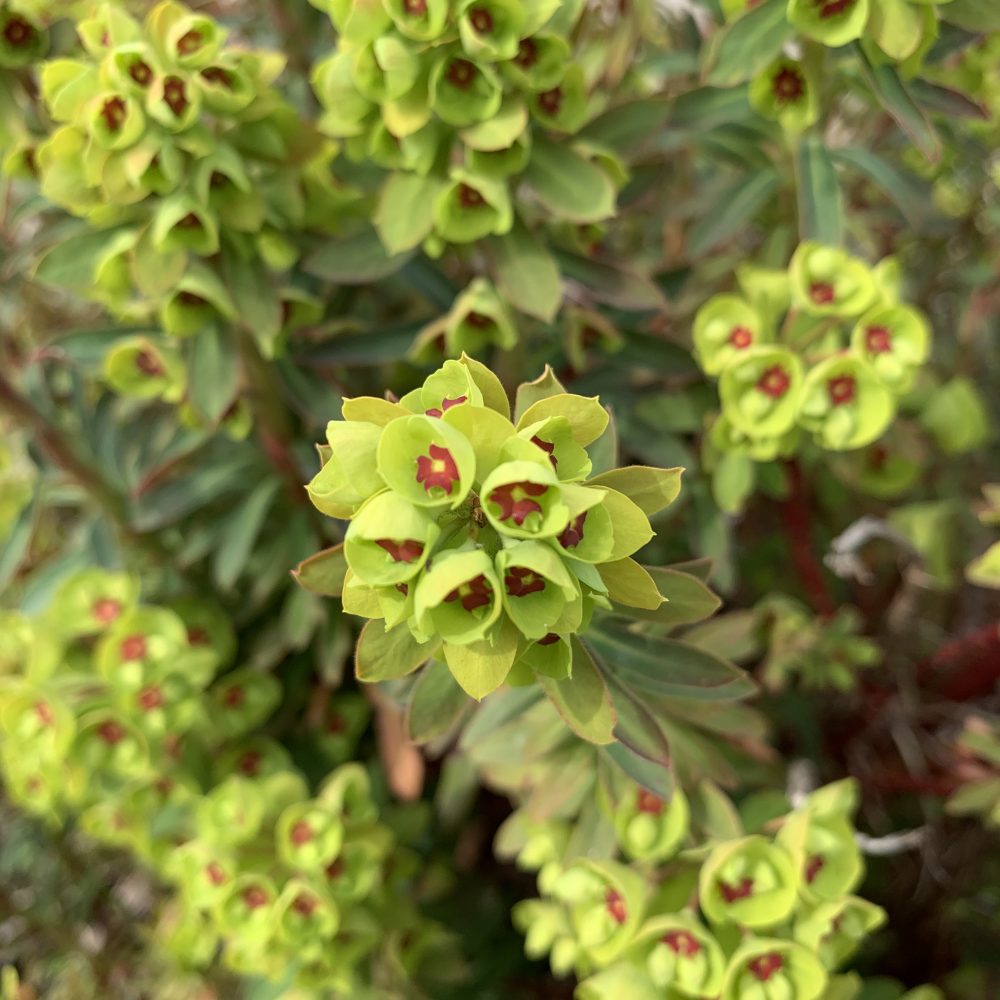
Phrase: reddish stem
{"type": "Point", "coordinates": [797, 518]}
{"type": "Point", "coordinates": [967, 667]}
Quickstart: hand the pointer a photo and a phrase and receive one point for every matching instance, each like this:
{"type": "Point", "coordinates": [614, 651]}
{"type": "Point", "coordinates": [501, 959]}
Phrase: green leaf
{"type": "Point", "coordinates": [647, 773]}
{"type": "Point", "coordinates": [628, 583]}
{"type": "Point", "coordinates": [737, 206]}
{"type": "Point", "coordinates": [385, 656]}
{"type": "Point", "coordinates": [582, 699]}
{"type": "Point", "coordinates": [703, 109]}
{"type": "Point", "coordinates": [651, 489]}
{"type": "Point", "coordinates": [355, 260]}
{"type": "Point", "coordinates": [404, 215]}
{"type": "Point", "coordinates": [688, 600]}
{"type": "Point", "coordinates": [973, 15]}
{"type": "Point", "coordinates": [481, 667]}
{"type": "Point", "coordinates": [240, 531]}
{"type": "Point", "coordinates": [70, 263]}
{"type": "Point", "coordinates": [947, 101]}
{"type": "Point", "coordinates": [611, 285]}
{"type": "Point", "coordinates": [637, 726]}
{"type": "Point", "coordinates": [733, 481]}
{"type": "Point", "coordinates": [256, 300]}
{"type": "Point", "coordinates": [569, 186]}
{"type": "Point", "coordinates": [436, 705]}
{"type": "Point", "coordinates": [819, 198]}
{"type": "Point", "coordinates": [911, 198]}
{"type": "Point", "coordinates": [629, 125]}
{"type": "Point", "coordinates": [323, 573]}
{"type": "Point", "coordinates": [666, 666]}
{"type": "Point", "coordinates": [527, 274]}
{"type": "Point", "coordinates": [743, 47]}
{"type": "Point", "coordinates": [213, 373]}
{"type": "Point", "coordinates": [895, 98]}
{"type": "Point", "coordinates": [529, 393]}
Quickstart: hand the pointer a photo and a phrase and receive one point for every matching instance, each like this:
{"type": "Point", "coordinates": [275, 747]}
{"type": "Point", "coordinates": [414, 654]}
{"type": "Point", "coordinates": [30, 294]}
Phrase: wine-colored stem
{"type": "Point", "coordinates": [797, 520]}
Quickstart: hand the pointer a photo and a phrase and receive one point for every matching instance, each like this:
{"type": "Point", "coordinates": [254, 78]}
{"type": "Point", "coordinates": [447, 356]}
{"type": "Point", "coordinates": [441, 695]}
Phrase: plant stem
{"type": "Point", "coordinates": [796, 517]}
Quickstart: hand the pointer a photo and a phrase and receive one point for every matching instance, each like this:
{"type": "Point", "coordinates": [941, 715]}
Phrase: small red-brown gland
{"type": "Point", "coordinates": [765, 966]}
{"type": "Point", "coordinates": [151, 698]}
{"type": "Point", "coordinates": [106, 610]}
{"type": "Point", "coordinates": [878, 340]}
{"type": "Point", "coordinates": [301, 833]}
{"type": "Point", "coordinates": [304, 905]}
{"type": "Point", "coordinates": [478, 320]}
{"type": "Point", "coordinates": [219, 76]}
{"type": "Point", "coordinates": [475, 593]}
{"type": "Point", "coordinates": [740, 337]}
{"type": "Point", "coordinates": [218, 180]}
{"type": "Point", "coordinates": [572, 534]}
{"type": "Point", "coordinates": [234, 697]}
{"type": "Point", "coordinates": [335, 869]}
{"type": "Point", "coordinates": [254, 897]}
{"type": "Point", "coordinates": [407, 551]}
{"type": "Point", "coordinates": [548, 640]}
{"type": "Point", "coordinates": [774, 382]}
{"type": "Point", "coordinates": [111, 732]}
{"type": "Point", "coordinates": [842, 389]}
{"type": "Point", "coordinates": [788, 85]}
{"type": "Point", "coordinates": [549, 447]}
{"type": "Point", "coordinates": [615, 906]}
{"type": "Point", "coordinates": [682, 943]}
{"type": "Point", "coordinates": [141, 73]}
{"type": "Point", "coordinates": [114, 111]}
{"type": "Point", "coordinates": [550, 101]}
{"type": "Point", "coordinates": [250, 763]}
{"type": "Point", "coordinates": [163, 786]}
{"type": "Point", "coordinates": [446, 405]}
{"type": "Point", "coordinates": [18, 33]}
{"type": "Point", "coordinates": [190, 42]}
{"type": "Point", "coordinates": [520, 582]}
{"type": "Point", "coordinates": [336, 723]}
{"type": "Point", "coordinates": [437, 470]}
{"type": "Point", "coordinates": [460, 73]}
{"type": "Point", "coordinates": [877, 457]}
{"type": "Point", "coordinates": [814, 865]}
{"type": "Point", "coordinates": [647, 802]}
{"type": "Point", "coordinates": [469, 197]}
{"type": "Point", "coordinates": [527, 54]}
{"type": "Point", "coordinates": [514, 500]}
{"type": "Point", "coordinates": [822, 293]}
{"type": "Point", "coordinates": [175, 95]}
{"type": "Point", "coordinates": [149, 364]}
{"type": "Point", "coordinates": [189, 221]}
{"type": "Point", "coordinates": [191, 300]}
{"type": "Point", "coordinates": [481, 19]}
{"type": "Point", "coordinates": [214, 873]}
{"type": "Point", "coordinates": [742, 890]}
{"type": "Point", "coordinates": [133, 647]}
{"type": "Point", "coordinates": [197, 636]}
{"type": "Point", "coordinates": [403, 588]}
{"type": "Point", "coordinates": [44, 712]}
{"type": "Point", "coordinates": [830, 8]}
{"type": "Point", "coordinates": [415, 8]}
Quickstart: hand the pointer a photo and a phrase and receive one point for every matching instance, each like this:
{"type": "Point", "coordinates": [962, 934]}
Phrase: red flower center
{"type": "Point", "coordinates": [114, 111]}
{"type": "Point", "coordinates": [446, 404]}
{"type": "Point", "coordinates": [197, 636]}
{"type": "Point", "coordinates": [842, 389]}
{"type": "Point", "coordinates": [141, 73]}
{"type": "Point", "coordinates": [814, 865]}
{"type": "Point", "coordinates": [788, 85]}
{"type": "Point", "coordinates": [190, 221]}
{"type": "Point", "coordinates": [550, 101]}
{"type": "Point", "coordinates": [406, 552]}
{"type": "Point", "coordinates": [336, 723]}
{"type": "Point", "coordinates": [106, 610]}
{"type": "Point", "coordinates": [44, 712]}
{"type": "Point", "coordinates": [549, 448]}
{"type": "Point", "coordinates": [515, 503]}
{"type": "Point", "coordinates": [878, 340]}
{"type": "Point", "coordinates": [878, 456]}
{"type": "Point", "coordinates": [573, 533]}
{"type": "Point", "coordinates": [234, 697]}
{"type": "Point", "coordinates": [774, 382]}
{"type": "Point", "coordinates": [417, 8]}
{"type": "Point", "coordinates": [254, 897]}
{"type": "Point", "coordinates": [189, 42]}
{"type": "Point", "coordinates": [521, 581]}
{"type": "Point", "coordinates": [765, 966]}
{"type": "Point", "coordinates": [473, 594]}
{"type": "Point", "coordinates": [469, 197]}
{"type": "Point", "coordinates": [437, 470]}
{"type": "Point", "coordinates": [133, 647]}
{"type": "Point", "coordinates": [822, 293]}
{"type": "Point", "coordinates": [479, 321]}
{"type": "Point", "coordinates": [647, 802]}
{"type": "Point", "coordinates": [527, 54]}
{"type": "Point", "coordinates": [682, 943]}
{"type": "Point", "coordinates": [190, 299]}
{"type": "Point", "coordinates": [250, 763]}
{"type": "Point", "coordinates": [151, 698]}
{"type": "Point", "coordinates": [214, 873]}
{"type": "Point", "coordinates": [304, 905]}
{"type": "Point", "coordinates": [481, 19]}
{"type": "Point", "coordinates": [17, 32]}
{"type": "Point", "coordinates": [149, 364]}
{"type": "Point", "coordinates": [740, 337]}
{"type": "Point", "coordinates": [830, 8]}
{"type": "Point", "coordinates": [615, 906]}
{"type": "Point", "coordinates": [731, 893]}
{"type": "Point", "coordinates": [461, 73]}
{"type": "Point", "coordinates": [335, 869]}
{"type": "Point", "coordinates": [111, 732]}
{"type": "Point", "coordinates": [548, 640]}
{"type": "Point", "coordinates": [219, 76]}
{"type": "Point", "coordinates": [175, 95]}
{"type": "Point", "coordinates": [301, 833]}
